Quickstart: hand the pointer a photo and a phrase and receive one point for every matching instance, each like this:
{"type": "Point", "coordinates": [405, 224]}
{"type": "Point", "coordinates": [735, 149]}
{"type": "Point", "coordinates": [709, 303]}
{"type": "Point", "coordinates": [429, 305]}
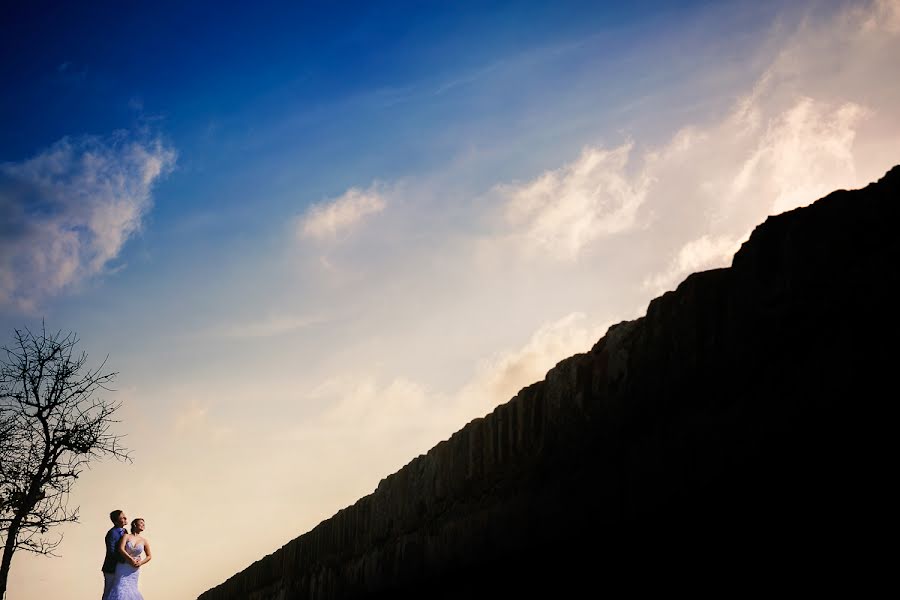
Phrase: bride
{"type": "Point", "coordinates": [135, 550]}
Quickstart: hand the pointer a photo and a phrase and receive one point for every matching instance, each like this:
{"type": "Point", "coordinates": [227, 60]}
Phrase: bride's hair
{"type": "Point", "coordinates": [134, 522]}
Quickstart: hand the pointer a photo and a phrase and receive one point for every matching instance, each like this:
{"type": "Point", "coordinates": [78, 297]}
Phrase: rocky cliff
{"type": "Point", "coordinates": [733, 434]}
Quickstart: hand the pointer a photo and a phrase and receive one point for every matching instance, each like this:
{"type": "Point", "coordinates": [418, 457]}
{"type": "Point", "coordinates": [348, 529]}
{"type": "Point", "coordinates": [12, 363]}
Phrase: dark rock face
{"type": "Point", "coordinates": [735, 436]}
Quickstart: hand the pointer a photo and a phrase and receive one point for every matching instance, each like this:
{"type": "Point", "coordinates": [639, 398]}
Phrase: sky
{"type": "Point", "coordinates": [317, 238]}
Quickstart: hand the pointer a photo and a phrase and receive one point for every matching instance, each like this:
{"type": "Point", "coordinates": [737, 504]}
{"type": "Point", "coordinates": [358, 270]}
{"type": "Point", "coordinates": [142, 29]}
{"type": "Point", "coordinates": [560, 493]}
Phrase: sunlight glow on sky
{"type": "Point", "coordinates": [315, 241]}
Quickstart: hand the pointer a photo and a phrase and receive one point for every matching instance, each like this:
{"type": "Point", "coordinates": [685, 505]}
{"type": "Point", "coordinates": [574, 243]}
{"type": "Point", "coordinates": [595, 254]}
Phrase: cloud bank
{"type": "Point", "coordinates": [623, 222]}
{"type": "Point", "coordinates": [67, 212]}
{"type": "Point", "coordinates": [821, 116]}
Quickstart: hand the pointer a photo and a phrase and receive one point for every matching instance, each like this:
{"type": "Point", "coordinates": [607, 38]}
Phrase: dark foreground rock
{"type": "Point", "coordinates": [739, 435]}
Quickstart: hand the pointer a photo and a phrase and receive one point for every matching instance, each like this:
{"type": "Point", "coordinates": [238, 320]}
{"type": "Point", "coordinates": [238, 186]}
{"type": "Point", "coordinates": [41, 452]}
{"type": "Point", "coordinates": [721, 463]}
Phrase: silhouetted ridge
{"type": "Point", "coordinates": [734, 435]}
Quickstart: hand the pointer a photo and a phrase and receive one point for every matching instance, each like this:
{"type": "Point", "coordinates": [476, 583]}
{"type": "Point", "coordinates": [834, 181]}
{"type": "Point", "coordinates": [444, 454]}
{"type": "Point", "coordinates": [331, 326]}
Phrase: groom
{"type": "Point", "coordinates": [111, 541]}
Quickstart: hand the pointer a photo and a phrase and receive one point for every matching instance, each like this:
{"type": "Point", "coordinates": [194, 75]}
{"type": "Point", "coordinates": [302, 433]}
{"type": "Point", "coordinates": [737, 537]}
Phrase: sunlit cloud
{"type": "Point", "coordinates": [697, 197]}
{"type": "Point", "coordinates": [800, 155]}
{"type": "Point", "coordinates": [701, 254]}
{"type": "Point", "coordinates": [729, 176]}
{"type": "Point", "coordinates": [499, 378]}
{"type": "Point", "coordinates": [565, 209]}
{"type": "Point", "coordinates": [330, 219]}
{"type": "Point", "coordinates": [68, 211]}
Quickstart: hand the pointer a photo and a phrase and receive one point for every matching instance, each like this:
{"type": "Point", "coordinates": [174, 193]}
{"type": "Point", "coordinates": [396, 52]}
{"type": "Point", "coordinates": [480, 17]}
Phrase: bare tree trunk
{"type": "Point", "coordinates": [8, 550]}
{"type": "Point", "coordinates": [13, 532]}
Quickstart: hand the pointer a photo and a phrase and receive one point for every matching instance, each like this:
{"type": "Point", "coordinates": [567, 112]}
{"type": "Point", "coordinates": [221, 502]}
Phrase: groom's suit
{"type": "Point", "coordinates": [111, 541]}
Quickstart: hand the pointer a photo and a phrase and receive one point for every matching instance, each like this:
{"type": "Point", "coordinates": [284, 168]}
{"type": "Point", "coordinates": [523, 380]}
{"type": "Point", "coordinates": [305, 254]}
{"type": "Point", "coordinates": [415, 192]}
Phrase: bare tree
{"type": "Point", "coordinates": [53, 424]}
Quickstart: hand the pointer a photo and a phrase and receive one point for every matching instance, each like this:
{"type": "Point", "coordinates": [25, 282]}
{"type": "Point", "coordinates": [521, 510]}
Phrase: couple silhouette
{"type": "Point", "coordinates": [126, 553]}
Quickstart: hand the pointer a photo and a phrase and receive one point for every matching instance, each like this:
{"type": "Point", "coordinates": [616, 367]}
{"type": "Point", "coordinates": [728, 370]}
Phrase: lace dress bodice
{"type": "Point", "coordinates": [125, 586]}
{"type": "Point", "coordinates": [134, 551]}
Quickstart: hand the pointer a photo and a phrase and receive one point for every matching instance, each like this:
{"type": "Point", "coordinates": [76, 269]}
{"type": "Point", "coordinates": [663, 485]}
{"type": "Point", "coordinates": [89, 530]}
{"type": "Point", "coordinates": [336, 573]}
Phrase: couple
{"type": "Point", "coordinates": [125, 554]}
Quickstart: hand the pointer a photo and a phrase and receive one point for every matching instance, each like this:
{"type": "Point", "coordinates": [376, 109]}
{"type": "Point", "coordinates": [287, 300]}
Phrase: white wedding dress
{"type": "Point", "coordinates": [125, 586]}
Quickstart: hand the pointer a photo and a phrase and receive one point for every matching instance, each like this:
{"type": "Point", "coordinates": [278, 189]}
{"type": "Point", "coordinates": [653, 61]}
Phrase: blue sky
{"type": "Point", "coordinates": [111, 66]}
{"type": "Point", "coordinates": [317, 238]}
{"type": "Point", "coordinates": [309, 91]}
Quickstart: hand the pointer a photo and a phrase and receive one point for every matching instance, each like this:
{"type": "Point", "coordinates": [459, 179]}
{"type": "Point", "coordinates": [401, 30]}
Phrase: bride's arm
{"type": "Point", "coordinates": [128, 558]}
{"type": "Point", "coordinates": [148, 554]}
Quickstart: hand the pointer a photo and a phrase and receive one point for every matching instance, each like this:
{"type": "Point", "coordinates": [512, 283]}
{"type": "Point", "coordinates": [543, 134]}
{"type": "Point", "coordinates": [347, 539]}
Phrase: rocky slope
{"type": "Point", "coordinates": [732, 436]}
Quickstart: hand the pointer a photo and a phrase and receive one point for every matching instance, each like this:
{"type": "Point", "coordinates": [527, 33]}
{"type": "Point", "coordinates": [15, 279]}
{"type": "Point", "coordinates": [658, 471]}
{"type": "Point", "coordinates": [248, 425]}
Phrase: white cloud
{"type": "Point", "coordinates": [725, 179]}
{"type": "Point", "coordinates": [565, 209]}
{"type": "Point", "coordinates": [801, 154]}
{"type": "Point", "coordinates": [68, 211]}
{"type": "Point", "coordinates": [332, 218]}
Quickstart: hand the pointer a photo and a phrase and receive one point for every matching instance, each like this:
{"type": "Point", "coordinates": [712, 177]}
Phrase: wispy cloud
{"type": "Point", "coordinates": [336, 217]}
{"type": "Point", "coordinates": [706, 252]}
{"type": "Point", "coordinates": [563, 210]}
{"type": "Point", "coordinates": [267, 327]}
{"type": "Point", "coordinates": [722, 180]}
{"type": "Point", "coordinates": [67, 212]}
